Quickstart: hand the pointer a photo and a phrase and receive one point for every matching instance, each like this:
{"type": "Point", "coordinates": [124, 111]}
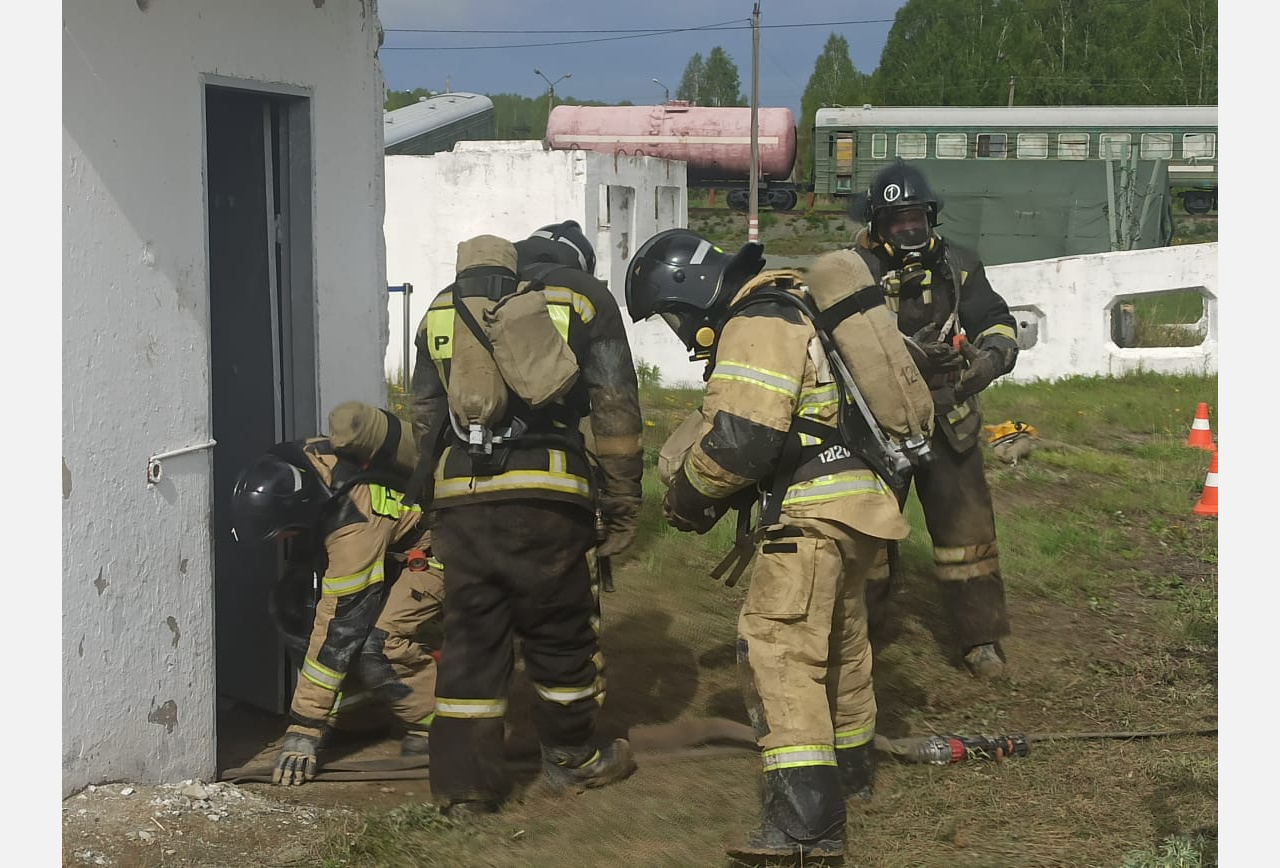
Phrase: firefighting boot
{"type": "Point", "coordinates": [857, 767]}
{"type": "Point", "coordinates": [415, 744]}
{"type": "Point", "coordinates": [984, 661]}
{"type": "Point", "coordinates": [581, 768]}
{"type": "Point", "coordinates": [803, 817]}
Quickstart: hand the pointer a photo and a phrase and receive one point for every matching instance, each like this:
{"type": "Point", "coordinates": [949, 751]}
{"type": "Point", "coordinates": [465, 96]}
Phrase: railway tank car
{"type": "Point", "coordinates": [715, 143]}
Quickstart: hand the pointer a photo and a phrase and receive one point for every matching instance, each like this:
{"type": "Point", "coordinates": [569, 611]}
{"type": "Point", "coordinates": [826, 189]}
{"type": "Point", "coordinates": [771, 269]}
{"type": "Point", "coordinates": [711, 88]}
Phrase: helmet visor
{"type": "Point", "coordinates": [906, 228]}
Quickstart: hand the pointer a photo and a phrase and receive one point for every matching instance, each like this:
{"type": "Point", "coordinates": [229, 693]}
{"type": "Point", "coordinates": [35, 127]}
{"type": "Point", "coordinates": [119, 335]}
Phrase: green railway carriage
{"type": "Point", "coordinates": [852, 144]}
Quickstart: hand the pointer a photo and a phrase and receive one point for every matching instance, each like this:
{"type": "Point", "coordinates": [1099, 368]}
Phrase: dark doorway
{"type": "Point", "coordinates": [262, 351]}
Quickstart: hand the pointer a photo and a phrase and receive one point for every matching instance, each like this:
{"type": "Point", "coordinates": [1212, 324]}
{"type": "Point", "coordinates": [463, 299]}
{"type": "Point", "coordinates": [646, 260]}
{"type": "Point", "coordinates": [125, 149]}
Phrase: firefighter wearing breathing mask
{"type": "Point", "coordinates": [769, 421]}
{"type": "Point", "coordinates": [940, 291]}
{"type": "Point", "coordinates": [512, 356]}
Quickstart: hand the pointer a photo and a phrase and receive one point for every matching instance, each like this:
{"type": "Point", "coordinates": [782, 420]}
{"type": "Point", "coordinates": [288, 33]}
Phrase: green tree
{"type": "Point", "coordinates": [401, 98]}
{"type": "Point", "coordinates": [721, 86]}
{"type": "Point", "coordinates": [835, 82]}
{"type": "Point", "coordinates": [691, 82]}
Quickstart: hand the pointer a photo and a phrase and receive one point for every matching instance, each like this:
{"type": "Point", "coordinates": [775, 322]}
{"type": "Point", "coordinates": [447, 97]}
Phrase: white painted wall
{"type": "Point", "coordinates": [1067, 301]}
{"type": "Point", "coordinates": [510, 189]}
{"type": "Point", "coordinates": [137, 585]}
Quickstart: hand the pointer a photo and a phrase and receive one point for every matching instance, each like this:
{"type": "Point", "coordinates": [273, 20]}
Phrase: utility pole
{"type": "Point", "coordinates": [666, 93]}
{"type": "Point", "coordinates": [753, 207]}
{"type": "Point", "coordinates": [1012, 79]}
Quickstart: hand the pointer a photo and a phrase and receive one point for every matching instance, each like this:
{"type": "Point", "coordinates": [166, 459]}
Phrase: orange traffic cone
{"type": "Point", "coordinates": [1208, 504]}
{"type": "Point", "coordinates": [1200, 436]}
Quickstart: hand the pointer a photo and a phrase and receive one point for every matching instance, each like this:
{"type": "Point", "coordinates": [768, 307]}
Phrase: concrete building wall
{"type": "Point", "coordinates": [510, 189]}
{"type": "Point", "coordinates": [137, 595]}
{"type": "Point", "coordinates": [1067, 304]}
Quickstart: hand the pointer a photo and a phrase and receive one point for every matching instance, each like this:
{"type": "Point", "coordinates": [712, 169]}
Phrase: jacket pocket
{"type": "Point", "coordinates": [782, 580]}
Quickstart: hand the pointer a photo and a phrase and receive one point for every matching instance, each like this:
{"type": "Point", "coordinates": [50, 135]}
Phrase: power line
{"type": "Point", "coordinates": [642, 35]}
{"type": "Point", "coordinates": [726, 25]}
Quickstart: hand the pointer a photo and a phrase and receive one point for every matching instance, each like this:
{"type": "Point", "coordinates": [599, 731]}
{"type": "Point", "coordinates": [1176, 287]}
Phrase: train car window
{"type": "Point", "coordinates": [993, 146]}
{"type": "Point", "coordinates": [912, 146]}
{"type": "Point", "coordinates": [844, 152]}
{"type": "Point", "coordinates": [1033, 146]}
{"type": "Point", "coordinates": [1114, 146]}
{"type": "Point", "coordinates": [1156, 146]}
{"type": "Point", "coordinates": [951, 146]}
{"type": "Point", "coordinates": [1073, 146]}
{"type": "Point", "coordinates": [1199, 146]}
{"type": "Point", "coordinates": [879, 146]}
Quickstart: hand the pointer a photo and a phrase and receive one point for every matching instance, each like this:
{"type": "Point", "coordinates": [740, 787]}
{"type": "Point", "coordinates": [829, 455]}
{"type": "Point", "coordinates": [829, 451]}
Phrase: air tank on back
{"type": "Point", "coordinates": [715, 142]}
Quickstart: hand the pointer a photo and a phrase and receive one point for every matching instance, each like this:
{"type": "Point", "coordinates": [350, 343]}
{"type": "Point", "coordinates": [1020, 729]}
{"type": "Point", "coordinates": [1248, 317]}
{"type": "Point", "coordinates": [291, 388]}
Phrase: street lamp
{"type": "Point", "coordinates": [666, 94]}
{"type": "Point", "coordinates": [551, 87]}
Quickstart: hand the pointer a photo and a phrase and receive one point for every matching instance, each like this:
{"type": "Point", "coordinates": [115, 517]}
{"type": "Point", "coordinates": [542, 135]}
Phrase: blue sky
{"type": "Point", "coordinates": [612, 68]}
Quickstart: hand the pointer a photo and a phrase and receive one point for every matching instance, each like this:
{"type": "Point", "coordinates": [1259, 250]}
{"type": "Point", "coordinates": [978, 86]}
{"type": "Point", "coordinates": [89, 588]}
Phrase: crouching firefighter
{"type": "Point", "coordinates": [943, 299]}
{"type": "Point", "coordinates": [507, 368]}
{"type": "Point", "coordinates": [337, 500]}
{"type": "Point", "coordinates": [770, 421]}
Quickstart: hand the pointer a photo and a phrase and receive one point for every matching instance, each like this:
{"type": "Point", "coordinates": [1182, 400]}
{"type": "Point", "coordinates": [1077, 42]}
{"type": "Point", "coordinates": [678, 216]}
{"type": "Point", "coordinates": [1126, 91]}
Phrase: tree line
{"type": "Point", "coordinates": [972, 52]}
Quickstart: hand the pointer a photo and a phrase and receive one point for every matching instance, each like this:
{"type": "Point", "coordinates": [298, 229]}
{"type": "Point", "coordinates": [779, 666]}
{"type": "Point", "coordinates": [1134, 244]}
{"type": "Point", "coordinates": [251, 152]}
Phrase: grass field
{"type": "Point", "coordinates": [1112, 589]}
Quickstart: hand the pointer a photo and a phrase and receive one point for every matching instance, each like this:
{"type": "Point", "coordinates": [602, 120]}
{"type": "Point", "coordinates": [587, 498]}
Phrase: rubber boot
{"type": "Point", "coordinates": [803, 816]}
{"type": "Point", "coordinates": [415, 744]}
{"type": "Point", "coordinates": [984, 661]}
{"type": "Point", "coordinates": [857, 767]}
{"type": "Point", "coordinates": [584, 767]}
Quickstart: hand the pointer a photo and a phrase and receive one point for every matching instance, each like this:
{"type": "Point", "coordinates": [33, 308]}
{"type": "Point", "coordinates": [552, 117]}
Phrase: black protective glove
{"type": "Point", "coordinates": [687, 509]}
{"type": "Point", "coordinates": [621, 517]}
{"type": "Point", "coordinates": [944, 400]}
{"type": "Point", "coordinates": [940, 357]}
{"type": "Point", "coordinates": [984, 366]}
{"type": "Point", "coordinates": [297, 762]}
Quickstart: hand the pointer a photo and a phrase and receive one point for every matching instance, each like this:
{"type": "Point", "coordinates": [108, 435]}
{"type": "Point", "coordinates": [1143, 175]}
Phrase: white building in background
{"type": "Point", "coordinates": [510, 189]}
{"type": "Point", "coordinates": [223, 279]}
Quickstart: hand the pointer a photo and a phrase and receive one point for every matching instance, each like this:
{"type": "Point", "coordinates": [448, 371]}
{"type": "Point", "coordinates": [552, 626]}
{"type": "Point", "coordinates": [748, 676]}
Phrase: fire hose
{"type": "Point", "coordinates": [718, 737]}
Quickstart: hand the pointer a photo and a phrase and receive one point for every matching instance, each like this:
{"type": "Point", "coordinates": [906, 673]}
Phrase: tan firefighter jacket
{"type": "Point", "coordinates": [357, 534]}
{"type": "Point", "coordinates": [768, 371]}
{"type": "Point", "coordinates": [956, 295]}
{"type": "Point", "coordinates": [551, 464]}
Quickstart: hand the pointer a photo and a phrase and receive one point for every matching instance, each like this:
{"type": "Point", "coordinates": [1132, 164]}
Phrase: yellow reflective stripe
{"type": "Point", "coordinates": [848, 482]}
{"type": "Point", "coordinates": [949, 554]}
{"type": "Point", "coordinates": [799, 755]}
{"type": "Point", "coordinates": [999, 329]}
{"type": "Point", "coordinates": [814, 399]}
{"type": "Point", "coordinates": [560, 319]}
{"type": "Point", "coordinates": [762, 377]}
{"type": "Point", "coordinates": [339, 586]}
{"type": "Point", "coordinates": [345, 702]}
{"type": "Point", "coordinates": [435, 564]}
{"type": "Point", "coordinates": [566, 695]}
{"type": "Point", "coordinates": [856, 737]}
{"type": "Point", "coordinates": [322, 676]}
{"type": "Point", "coordinates": [582, 305]}
{"type": "Point", "coordinates": [386, 501]}
{"type": "Point", "coordinates": [425, 722]}
{"type": "Point", "coordinates": [703, 485]}
{"type": "Point", "coordinates": [515, 480]}
{"type": "Point", "coordinates": [556, 461]}
{"type": "Point", "coordinates": [470, 707]}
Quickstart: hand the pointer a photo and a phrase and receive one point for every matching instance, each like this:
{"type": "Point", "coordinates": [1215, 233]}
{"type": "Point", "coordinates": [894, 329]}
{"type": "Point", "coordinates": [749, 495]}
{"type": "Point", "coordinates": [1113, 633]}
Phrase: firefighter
{"type": "Point", "coordinates": [939, 291]}
{"type": "Point", "coordinates": [519, 521]}
{"type": "Point", "coordinates": [769, 421]}
{"type": "Point", "coordinates": [368, 618]}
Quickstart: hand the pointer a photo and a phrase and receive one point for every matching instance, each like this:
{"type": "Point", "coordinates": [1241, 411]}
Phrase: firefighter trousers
{"type": "Point", "coordinates": [515, 568]}
{"type": "Point", "coordinates": [803, 653]}
{"type": "Point", "coordinates": [394, 666]}
{"type": "Point", "coordinates": [960, 517]}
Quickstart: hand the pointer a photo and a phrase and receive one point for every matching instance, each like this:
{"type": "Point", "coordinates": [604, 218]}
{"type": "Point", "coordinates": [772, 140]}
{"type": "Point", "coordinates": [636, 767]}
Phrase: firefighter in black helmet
{"type": "Point", "coordinates": [940, 291]}
{"type": "Point", "coordinates": [350, 530]}
{"type": "Point", "coordinates": [768, 421]}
